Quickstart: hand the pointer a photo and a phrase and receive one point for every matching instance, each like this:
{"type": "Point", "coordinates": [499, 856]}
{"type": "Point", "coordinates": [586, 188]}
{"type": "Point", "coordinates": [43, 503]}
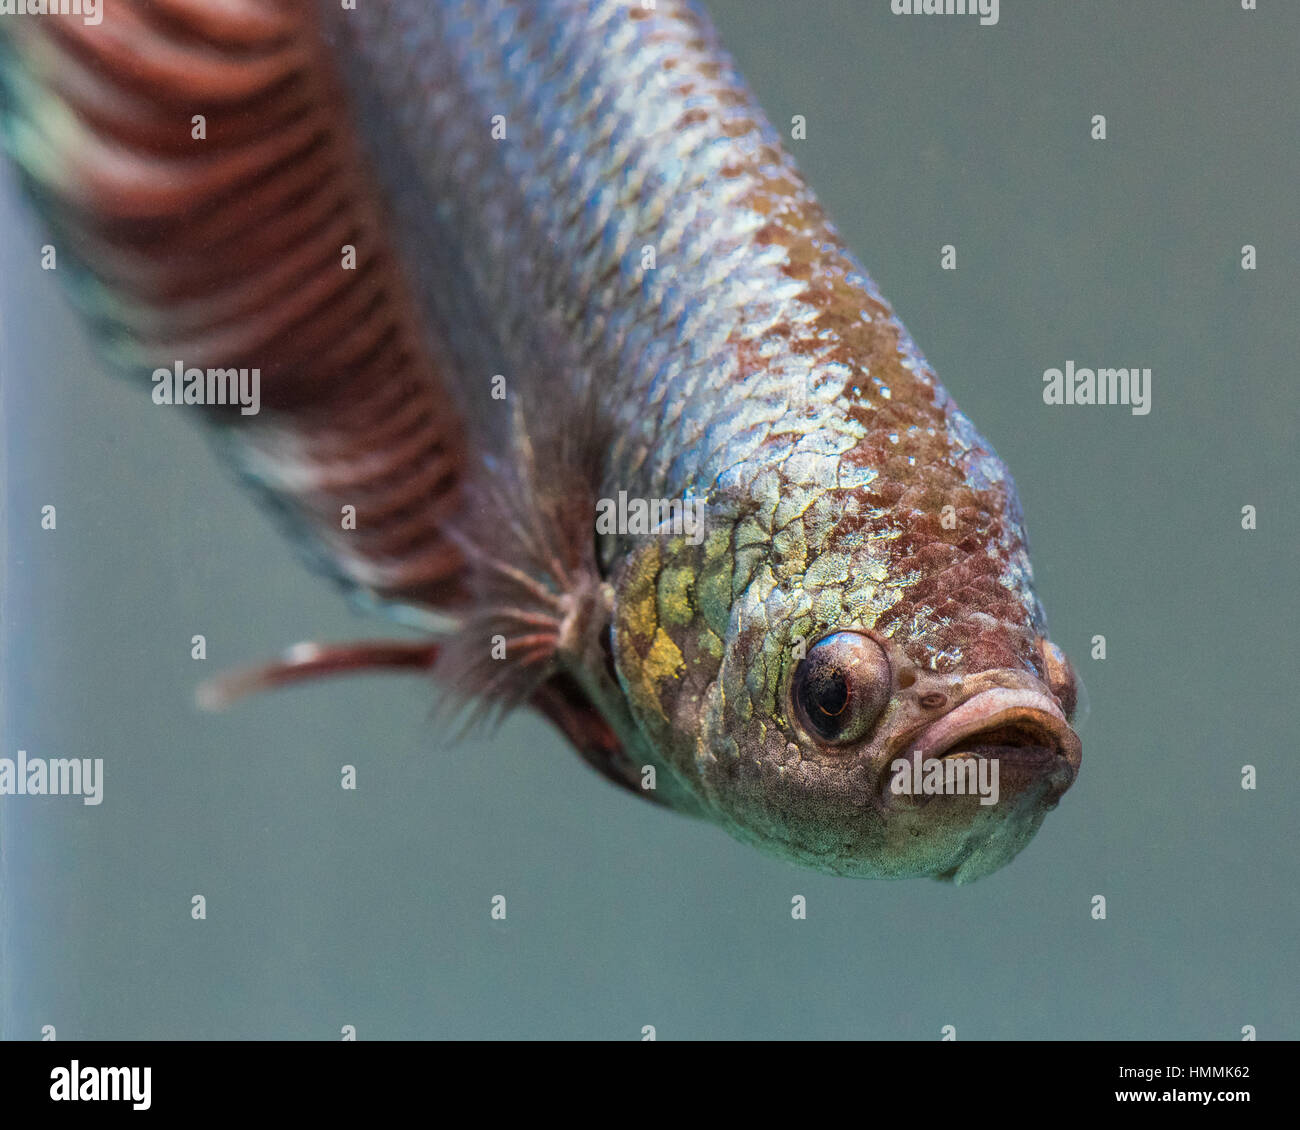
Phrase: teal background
{"type": "Point", "coordinates": [371, 908]}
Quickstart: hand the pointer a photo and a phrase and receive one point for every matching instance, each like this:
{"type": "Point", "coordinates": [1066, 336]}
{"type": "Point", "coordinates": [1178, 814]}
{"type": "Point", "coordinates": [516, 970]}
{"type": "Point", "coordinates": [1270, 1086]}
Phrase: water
{"type": "Point", "coordinates": [372, 908]}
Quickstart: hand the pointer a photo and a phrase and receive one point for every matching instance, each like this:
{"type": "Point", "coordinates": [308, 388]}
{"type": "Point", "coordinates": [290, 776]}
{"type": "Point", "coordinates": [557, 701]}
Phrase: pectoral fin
{"type": "Point", "coordinates": [562, 701]}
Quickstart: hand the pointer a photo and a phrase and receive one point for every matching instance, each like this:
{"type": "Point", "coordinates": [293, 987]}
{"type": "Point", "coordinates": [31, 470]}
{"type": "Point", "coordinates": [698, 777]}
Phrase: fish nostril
{"type": "Point", "coordinates": [906, 678]}
{"type": "Point", "coordinates": [933, 700]}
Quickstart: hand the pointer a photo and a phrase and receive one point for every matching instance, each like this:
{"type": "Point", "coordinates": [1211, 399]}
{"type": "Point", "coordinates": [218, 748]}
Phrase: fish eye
{"type": "Point", "coordinates": [840, 687]}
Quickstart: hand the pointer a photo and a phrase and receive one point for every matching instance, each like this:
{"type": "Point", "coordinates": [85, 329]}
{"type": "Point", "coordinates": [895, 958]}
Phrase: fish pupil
{"type": "Point", "coordinates": [826, 697]}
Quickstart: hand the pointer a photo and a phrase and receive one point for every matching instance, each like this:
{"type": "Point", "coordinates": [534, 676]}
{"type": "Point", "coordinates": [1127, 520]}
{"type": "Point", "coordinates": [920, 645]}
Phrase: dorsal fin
{"type": "Point", "coordinates": [195, 162]}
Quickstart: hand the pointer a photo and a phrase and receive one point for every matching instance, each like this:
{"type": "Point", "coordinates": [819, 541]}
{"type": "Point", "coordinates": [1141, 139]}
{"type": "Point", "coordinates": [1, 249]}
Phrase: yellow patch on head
{"type": "Point", "coordinates": [637, 613]}
{"type": "Point", "coordinates": [675, 605]}
{"type": "Point", "coordinates": [664, 660]}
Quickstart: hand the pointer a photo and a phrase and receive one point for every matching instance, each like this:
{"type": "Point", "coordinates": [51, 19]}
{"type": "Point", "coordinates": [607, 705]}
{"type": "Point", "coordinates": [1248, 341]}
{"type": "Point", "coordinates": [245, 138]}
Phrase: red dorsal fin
{"type": "Point", "coordinates": [197, 166]}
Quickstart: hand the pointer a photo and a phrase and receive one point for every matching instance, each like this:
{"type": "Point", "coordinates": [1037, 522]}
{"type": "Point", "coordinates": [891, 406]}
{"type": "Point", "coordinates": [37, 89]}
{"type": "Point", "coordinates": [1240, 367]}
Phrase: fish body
{"type": "Point", "coordinates": [614, 295]}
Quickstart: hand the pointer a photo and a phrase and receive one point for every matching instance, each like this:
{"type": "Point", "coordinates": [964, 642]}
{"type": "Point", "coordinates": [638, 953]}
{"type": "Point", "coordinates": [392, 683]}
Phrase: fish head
{"type": "Point", "coordinates": [810, 678]}
{"type": "Point", "coordinates": [876, 767]}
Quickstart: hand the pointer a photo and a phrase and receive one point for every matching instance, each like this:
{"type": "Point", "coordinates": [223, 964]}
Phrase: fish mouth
{"type": "Point", "coordinates": [1023, 729]}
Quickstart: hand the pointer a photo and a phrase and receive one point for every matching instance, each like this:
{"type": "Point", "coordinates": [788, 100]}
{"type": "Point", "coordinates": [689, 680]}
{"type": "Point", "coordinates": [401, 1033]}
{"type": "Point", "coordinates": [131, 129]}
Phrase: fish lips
{"type": "Point", "coordinates": [1024, 730]}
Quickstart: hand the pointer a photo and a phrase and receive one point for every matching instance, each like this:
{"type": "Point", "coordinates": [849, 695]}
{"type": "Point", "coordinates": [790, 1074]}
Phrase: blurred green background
{"type": "Point", "coordinates": [371, 908]}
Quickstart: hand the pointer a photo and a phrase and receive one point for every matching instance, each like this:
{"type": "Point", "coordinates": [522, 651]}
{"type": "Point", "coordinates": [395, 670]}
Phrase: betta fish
{"type": "Point", "coordinates": [561, 362]}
